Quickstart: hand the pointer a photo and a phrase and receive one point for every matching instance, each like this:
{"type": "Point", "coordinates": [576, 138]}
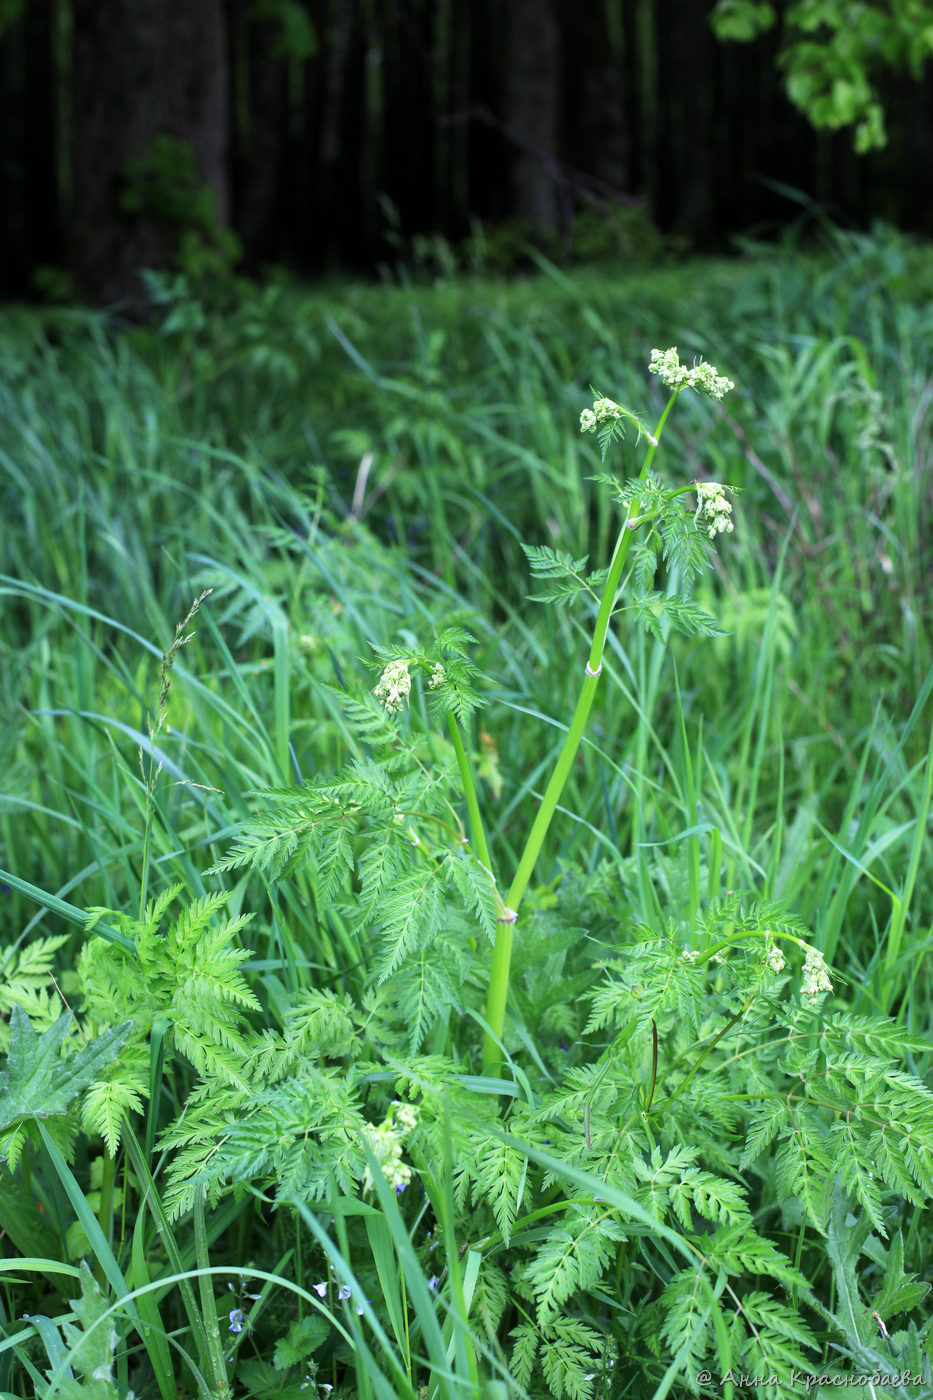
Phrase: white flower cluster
{"type": "Point", "coordinates": [385, 1142]}
{"type": "Point", "coordinates": [776, 959]}
{"type": "Point", "coordinates": [703, 377]}
{"type": "Point", "coordinates": [394, 686]}
{"type": "Point", "coordinates": [438, 676]}
{"type": "Point", "coordinates": [815, 977]}
{"type": "Point", "coordinates": [689, 955]}
{"type": "Point", "coordinates": [713, 510]}
{"type": "Point", "coordinates": [603, 411]}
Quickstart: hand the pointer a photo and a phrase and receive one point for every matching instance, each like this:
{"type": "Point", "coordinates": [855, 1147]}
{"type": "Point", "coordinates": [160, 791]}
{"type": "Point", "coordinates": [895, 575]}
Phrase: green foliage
{"type": "Point", "coordinates": [296, 37]}
{"type": "Point", "coordinates": [27, 972]}
{"type": "Point", "coordinates": [688, 1160]}
{"type": "Point", "coordinates": [11, 11]}
{"type": "Point", "coordinates": [164, 183]}
{"type": "Point", "coordinates": [187, 974]}
{"type": "Point", "coordinates": [833, 52]}
{"type": "Point", "coordinates": [40, 1081]}
{"type": "Point", "coordinates": [92, 1342]}
{"type": "Point", "coordinates": [565, 577]}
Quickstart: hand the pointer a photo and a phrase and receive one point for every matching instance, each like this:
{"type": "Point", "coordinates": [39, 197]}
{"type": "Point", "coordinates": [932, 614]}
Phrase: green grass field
{"type": "Point", "coordinates": [355, 465]}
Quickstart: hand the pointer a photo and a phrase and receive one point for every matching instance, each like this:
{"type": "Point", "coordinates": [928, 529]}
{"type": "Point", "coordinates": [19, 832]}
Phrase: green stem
{"type": "Point", "coordinates": [502, 952]}
{"type": "Point", "coordinates": [215, 1352]}
{"type": "Point", "coordinates": [105, 1210]}
{"type": "Point", "coordinates": [477, 832]}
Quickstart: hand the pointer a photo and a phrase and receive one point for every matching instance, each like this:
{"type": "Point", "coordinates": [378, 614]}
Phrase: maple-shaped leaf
{"type": "Point", "coordinates": [38, 1082]}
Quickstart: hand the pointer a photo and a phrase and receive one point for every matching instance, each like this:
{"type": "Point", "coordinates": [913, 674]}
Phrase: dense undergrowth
{"type": "Point", "coordinates": [248, 920]}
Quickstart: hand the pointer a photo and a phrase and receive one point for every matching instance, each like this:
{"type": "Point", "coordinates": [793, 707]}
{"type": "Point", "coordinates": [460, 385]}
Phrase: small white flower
{"type": "Point", "coordinates": [815, 977]}
{"type": "Point", "coordinates": [703, 377]}
{"type": "Point", "coordinates": [713, 510]}
{"type": "Point", "coordinates": [689, 955]}
{"type": "Point", "coordinates": [320, 1289]}
{"type": "Point", "coordinates": [607, 411]}
{"type": "Point", "coordinates": [438, 676]}
{"type": "Point", "coordinates": [666, 365]}
{"type": "Point", "coordinates": [343, 1293]}
{"type": "Point", "coordinates": [385, 1143]}
{"type": "Point", "coordinates": [775, 959]}
{"type": "Point", "coordinates": [707, 380]}
{"type": "Point", "coordinates": [587, 421]}
{"type": "Point", "coordinates": [394, 686]}
{"type": "Point", "coordinates": [406, 1115]}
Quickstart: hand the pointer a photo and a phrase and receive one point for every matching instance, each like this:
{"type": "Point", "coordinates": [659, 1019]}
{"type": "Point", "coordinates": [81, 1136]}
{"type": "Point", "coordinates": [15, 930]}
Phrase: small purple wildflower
{"type": "Point", "coordinates": [343, 1293]}
{"type": "Point", "coordinates": [320, 1289]}
{"type": "Point", "coordinates": [237, 1319]}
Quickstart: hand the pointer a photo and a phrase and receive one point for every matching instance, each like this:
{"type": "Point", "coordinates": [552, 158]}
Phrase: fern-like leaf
{"type": "Point", "coordinates": [570, 1357]}
{"type": "Point", "coordinates": [524, 1351]}
{"type": "Point", "coordinates": [572, 1257]}
{"type": "Point", "coordinates": [500, 1172]}
{"type": "Point", "coordinates": [410, 911]}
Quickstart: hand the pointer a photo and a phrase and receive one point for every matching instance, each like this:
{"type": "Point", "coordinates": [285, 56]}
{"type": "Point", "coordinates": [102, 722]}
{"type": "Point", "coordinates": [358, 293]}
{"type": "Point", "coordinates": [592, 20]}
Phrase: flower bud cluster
{"type": "Point", "coordinates": [394, 686]}
{"type": "Point", "coordinates": [713, 510]}
{"type": "Point", "coordinates": [815, 977]}
{"type": "Point", "coordinates": [438, 676]}
{"type": "Point", "coordinates": [603, 411]}
{"type": "Point", "coordinates": [385, 1142]}
{"type": "Point", "coordinates": [775, 958]}
{"type": "Point", "coordinates": [703, 377]}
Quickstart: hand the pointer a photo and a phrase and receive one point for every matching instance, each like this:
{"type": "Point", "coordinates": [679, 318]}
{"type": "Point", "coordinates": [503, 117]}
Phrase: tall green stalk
{"type": "Point", "coordinates": [498, 991]}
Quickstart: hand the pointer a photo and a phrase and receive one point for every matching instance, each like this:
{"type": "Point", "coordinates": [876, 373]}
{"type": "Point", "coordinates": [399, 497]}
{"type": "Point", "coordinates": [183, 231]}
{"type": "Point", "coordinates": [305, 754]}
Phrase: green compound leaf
{"type": "Point", "coordinates": [38, 1082]}
{"type": "Point", "coordinates": [564, 575]}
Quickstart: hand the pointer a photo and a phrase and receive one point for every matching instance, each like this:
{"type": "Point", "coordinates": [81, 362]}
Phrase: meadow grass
{"type": "Point", "coordinates": [357, 465]}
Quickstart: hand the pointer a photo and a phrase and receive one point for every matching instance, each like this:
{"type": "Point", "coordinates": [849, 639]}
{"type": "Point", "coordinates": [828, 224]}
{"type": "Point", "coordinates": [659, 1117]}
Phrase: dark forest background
{"type": "Point", "coordinates": [328, 134]}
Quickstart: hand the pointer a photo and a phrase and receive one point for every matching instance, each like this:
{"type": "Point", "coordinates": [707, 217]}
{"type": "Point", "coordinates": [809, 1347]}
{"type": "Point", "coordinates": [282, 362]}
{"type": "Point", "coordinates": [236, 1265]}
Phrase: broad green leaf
{"type": "Point", "coordinates": [38, 1082]}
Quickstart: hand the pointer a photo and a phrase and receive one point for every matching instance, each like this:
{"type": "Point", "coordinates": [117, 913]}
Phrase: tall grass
{"type": "Point", "coordinates": [353, 465]}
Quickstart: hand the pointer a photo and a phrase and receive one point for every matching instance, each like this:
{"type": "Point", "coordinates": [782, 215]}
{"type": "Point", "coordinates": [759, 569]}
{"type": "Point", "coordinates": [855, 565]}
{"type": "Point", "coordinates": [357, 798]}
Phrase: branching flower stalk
{"type": "Point", "coordinates": [677, 377]}
{"type": "Point", "coordinates": [151, 773]}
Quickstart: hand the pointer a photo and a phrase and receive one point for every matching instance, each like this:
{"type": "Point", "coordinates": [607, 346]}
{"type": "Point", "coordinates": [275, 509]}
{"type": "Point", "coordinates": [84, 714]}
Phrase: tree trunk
{"type": "Point", "coordinates": [342, 127]}
{"type": "Point", "coordinates": [40, 175]}
{"type": "Point", "coordinates": [532, 110]}
{"type": "Point", "coordinates": [142, 69]}
{"type": "Point", "coordinates": [261, 128]}
{"type": "Point", "coordinates": [15, 259]}
{"type": "Point", "coordinates": [595, 86]}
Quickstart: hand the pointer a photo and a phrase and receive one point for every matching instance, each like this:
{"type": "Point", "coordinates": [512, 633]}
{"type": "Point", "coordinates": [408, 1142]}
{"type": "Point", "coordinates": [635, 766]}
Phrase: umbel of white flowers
{"type": "Point", "coordinates": [386, 1141]}
{"type": "Point", "coordinates": [394, 686]}
{"type": "Point", "coordinates": [815, 977]}
{"type": "Point", "coordinates": [603, 411]}
{"type": "Point", "coordinates": [705, 378]}
{"type": "Point", "coordinates": [713, 510]}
